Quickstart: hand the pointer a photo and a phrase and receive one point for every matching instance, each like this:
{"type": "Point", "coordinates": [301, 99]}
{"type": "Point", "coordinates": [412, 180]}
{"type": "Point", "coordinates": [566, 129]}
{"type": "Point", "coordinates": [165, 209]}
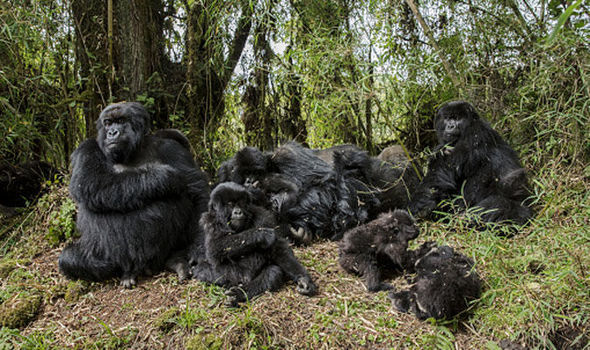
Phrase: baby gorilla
{"type": "Point", "coordinates": [444, 286]}
{"type": "Point", "coordinates": [376, 246]}
{"type": "Point", "coordinates": [242, 251]}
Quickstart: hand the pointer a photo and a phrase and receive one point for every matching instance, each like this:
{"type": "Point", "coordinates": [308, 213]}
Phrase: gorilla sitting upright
{"type": "Point", "coordinates": [472, 159]}
{"type": "Point", "coordinates": [139, 198]}
{"type": "Point", "coordinates": [242, 250]}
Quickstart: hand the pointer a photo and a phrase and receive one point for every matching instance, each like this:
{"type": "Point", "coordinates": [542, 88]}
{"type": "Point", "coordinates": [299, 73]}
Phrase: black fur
{"type": "Point", "coordinates": [378, 246]}
{"type": "Point", "coordinates": [243, 253]}
{"type": "Point", "coordinates": [472, 159]}
{"type": "Point", "coordinates": [321, 201]}
{"type": "Point", "coordinates": [328, 203]}
{"type": "Point", "coordinates": [21, 184]}
{"type": "Point", "coordinates": [384, 185]}
{"type": "Point", "coordinates": [445, 284]}
{"type": "Point", "coordinates": [139, 198]}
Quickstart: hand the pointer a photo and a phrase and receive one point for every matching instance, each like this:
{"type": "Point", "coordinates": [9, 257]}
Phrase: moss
{"type": "Point", "coordinates": [6, 267]}
{"type": "Point", "coordinates": [167, 319]}
{"type": "Point", "coordinates": [204, 341]}
{"type": "Point", "coordinates": [20, 310]}
{"type": "Point", "coordinates": [75, 290]}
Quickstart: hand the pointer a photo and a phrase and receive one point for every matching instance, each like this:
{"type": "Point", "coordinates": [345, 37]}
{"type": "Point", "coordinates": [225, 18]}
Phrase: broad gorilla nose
{"type": "Point", "coordinates": [451, 125]}
{"type": "Point", "coordinates": [112, 133]}
{"type": "Point", "coordinates": [237, 212]}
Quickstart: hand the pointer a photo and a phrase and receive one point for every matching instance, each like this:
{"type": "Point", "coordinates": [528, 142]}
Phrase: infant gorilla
{"type": "Point", "coordinates": [242, 251]}
{"type": "Point", "coordinates": [377, 246]}
{"type": "Point", "coordinates": [445, 283]}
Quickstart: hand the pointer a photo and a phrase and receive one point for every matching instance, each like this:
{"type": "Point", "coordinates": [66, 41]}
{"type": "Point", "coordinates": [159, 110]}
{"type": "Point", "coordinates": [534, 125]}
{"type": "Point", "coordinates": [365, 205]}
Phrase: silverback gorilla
{"type": "Point", "coordinates": [139, 198]}
{"type": "Point", "coordinates": [472, 159]}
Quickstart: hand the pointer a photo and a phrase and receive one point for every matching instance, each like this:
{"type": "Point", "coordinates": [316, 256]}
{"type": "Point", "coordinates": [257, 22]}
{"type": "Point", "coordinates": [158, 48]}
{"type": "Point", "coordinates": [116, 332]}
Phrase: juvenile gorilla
{"type": "Point", "coordinates": [139, 198]}
{"type": "Point", "coordinates": [472, 159]}
{"type": "Point", "coordinates": [378, 246]}
{"type": "Point", "coordinates": [243, 253]}
{"type": "Point", "coordinates": [444, 286]}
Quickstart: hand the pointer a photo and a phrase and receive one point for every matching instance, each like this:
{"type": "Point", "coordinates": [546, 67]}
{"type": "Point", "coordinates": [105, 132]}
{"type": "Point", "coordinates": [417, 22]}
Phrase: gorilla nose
{"type": "Point", "coordinates": [451, 126]}
{"type": "Point", "coordinates": [112, 133]}
{"type": "Point", "coordinates": [237, 212]}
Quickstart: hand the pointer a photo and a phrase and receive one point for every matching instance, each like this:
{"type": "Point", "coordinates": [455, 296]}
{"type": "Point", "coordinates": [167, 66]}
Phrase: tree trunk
{"type": "Point", "coordinates": [91, 53]}
{"type": "Point", "coordinates": [258, 120]}
{"type": "Point", "coordinates": [118, 57]}
{"type": "Point", "coordinates": [208, 71]}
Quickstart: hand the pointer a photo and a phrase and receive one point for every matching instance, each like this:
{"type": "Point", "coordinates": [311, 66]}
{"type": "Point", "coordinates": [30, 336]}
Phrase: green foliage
{"type": "Point", "coordinates": [62, 224]}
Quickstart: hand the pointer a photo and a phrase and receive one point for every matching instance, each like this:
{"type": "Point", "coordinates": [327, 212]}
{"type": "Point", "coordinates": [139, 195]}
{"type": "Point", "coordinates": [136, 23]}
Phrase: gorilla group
{"type": "Point", "coordinates": [472, 159]}
{"type": "Point", "coordinates": [139, 198]}
{"type": "Point", "coordinates": [320, 193]}
{"type": "Point", "coordinates": [144, 205]}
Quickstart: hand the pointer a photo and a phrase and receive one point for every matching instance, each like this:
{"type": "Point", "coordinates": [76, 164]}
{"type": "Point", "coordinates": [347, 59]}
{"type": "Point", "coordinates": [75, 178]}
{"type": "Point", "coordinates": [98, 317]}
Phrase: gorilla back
{"type": "Point", "coordinates": [139, 199]}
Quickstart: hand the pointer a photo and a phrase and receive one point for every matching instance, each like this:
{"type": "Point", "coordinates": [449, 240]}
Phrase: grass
{"type": "Point", "coordinates": [536, 291]}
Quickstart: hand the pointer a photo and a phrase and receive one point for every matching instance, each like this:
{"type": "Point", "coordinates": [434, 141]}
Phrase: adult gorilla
{"type": "Point", "coordinates": [472, 159]}
{"type": "Point", "coordinates": [139, 199]}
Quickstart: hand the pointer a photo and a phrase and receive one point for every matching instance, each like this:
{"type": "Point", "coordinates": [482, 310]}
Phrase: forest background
{"type": "Point", "coordinates": [262, 72]}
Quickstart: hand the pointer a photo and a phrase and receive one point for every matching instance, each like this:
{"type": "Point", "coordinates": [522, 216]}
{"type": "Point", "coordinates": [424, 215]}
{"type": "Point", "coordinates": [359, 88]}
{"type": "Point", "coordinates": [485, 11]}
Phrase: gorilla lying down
{"type": "Point", "coordinates": [445, 284]}
{"type": "Point", "coordinates": [377, 247]}
{"type": "Point", "coordinates": [139, 197]}
{"type": "Point", "coordinates": [322, 192]}
{"type": "Point", "coordinates": [472, 159]}
{"type": "Point", "coordinates": [316, 202]}
{"type": "Point", "coordinates": [243, 251]}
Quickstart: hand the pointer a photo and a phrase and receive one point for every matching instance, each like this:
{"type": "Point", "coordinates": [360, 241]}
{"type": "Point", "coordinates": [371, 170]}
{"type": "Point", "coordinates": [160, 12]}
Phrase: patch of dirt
{"type": "Point", "coordinates": [343, 314]}
{"type": "Point", "coordinates": [570, 337]}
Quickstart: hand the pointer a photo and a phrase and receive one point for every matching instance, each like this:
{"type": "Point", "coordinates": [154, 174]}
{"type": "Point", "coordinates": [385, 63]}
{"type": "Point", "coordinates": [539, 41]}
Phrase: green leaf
{"type": "Point", "coordinates": [561, 20]}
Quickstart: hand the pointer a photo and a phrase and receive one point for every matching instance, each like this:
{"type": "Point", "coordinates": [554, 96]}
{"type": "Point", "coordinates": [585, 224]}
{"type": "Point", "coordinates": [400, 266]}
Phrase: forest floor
{"type": "Point", "coordinates": [536, 292]}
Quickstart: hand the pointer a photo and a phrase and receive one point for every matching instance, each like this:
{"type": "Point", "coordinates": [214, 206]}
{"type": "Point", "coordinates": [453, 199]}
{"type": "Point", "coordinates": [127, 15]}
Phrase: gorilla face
{"type": "Point", "coordinates": [281, 193]}
{"type": "Point", "coordinates": [231, 202]}
{"type": "Point", "coordinates": [451, 121]}
{"type": "Point", "coordinates": [121, 127]}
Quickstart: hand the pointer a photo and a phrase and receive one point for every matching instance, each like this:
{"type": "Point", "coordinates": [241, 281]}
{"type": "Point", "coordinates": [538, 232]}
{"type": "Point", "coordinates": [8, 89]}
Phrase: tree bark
{"type": "Point", "coordinates": [208, 71]}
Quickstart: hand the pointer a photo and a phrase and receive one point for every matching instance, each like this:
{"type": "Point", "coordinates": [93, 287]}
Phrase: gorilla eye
{"type": "Point", "coordinates": [107, 122]}
{"type": "Point", "coordinates": [230, 204]}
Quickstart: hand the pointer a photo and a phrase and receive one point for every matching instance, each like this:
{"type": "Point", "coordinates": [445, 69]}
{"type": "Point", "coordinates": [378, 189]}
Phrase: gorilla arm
{"type": "Point", "coordinates": [223, 245]}
{"type": "Point", "coordinates": [96, 184]}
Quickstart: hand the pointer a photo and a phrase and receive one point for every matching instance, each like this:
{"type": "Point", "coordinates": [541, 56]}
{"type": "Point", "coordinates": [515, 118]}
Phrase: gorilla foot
{"type": "Point", "coordinates": [181, 267]}
{"type": "Point", "coordinates": [401, 300]}
{"type": "Point", "coordinates": [306, 286]}
{"type": "Point", "coordinates": [301, 234]}
{"type": "Point", "coordinates": [235, 296]}
{"type": "Point", "coordinates": [129, 282]}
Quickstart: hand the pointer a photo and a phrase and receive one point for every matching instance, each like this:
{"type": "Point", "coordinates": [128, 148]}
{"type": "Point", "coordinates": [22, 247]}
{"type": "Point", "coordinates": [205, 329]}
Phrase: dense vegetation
{"type": "Point", "coordinates": [260, 72]}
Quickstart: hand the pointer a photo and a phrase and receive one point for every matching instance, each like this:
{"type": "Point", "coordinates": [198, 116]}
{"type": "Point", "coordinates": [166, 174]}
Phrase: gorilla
{"type": "Point", "coordinates": [444, 286]}
{"type": "Point", "coordinates": [378, 246]}
{"type": "Point", "coordinates": [472, 159]}
{"type": "Point", "coordinates": [390, 182]}
{"type": "Point", "coordinates": [243, 252]}
{"type": "Point", "coordinates": [323, 203]}
{"type": "Point", "coordinates": [139, 198]}
{"type": "Point", "coordinates": [22, 184]}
